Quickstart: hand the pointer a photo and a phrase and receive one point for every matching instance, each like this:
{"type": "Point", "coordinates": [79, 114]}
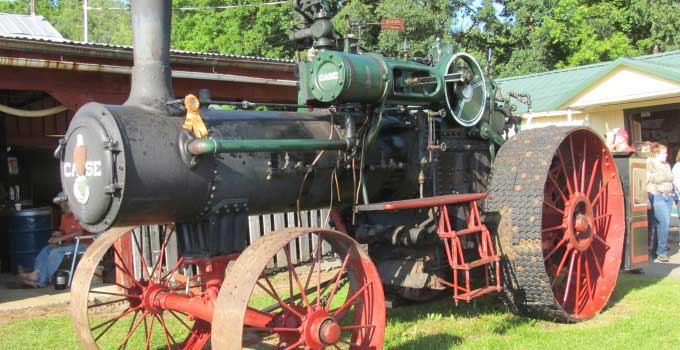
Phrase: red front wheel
{"type": "Point", "coordinates": [273, 298]}
{"type": "Point", "coordinates": [123, 314]}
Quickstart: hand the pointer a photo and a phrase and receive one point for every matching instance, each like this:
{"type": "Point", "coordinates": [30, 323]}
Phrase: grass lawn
{"type": "Point", "coordinates": [644, 313]}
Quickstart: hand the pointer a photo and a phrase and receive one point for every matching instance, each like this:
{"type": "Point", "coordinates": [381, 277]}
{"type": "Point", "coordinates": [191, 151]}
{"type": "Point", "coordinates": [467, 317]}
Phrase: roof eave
{"type": "Point", "coordinates": [125, 53]}
{"type": "Point", "coordinates": [643, 67]}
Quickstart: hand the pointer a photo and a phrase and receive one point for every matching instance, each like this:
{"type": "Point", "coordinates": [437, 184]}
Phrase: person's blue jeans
{"type": "Point", "coordinates": [50, 257]}
{"type": "Point", "coordinates": [662, 212]}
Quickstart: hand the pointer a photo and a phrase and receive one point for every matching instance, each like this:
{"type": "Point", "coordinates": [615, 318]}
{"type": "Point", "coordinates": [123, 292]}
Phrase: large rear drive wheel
{"type": "Point", "coordinates": [560, 222]}
{"type": "Point", "coordinates": [333, 300]}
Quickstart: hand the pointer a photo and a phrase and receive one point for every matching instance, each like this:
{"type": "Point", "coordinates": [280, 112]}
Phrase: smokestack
{"type": "Point", "coordinates": [151, 75]}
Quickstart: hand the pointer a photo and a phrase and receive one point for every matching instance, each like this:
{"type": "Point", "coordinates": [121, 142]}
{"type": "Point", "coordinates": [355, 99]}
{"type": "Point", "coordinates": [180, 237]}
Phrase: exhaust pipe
{"type": "Point", "coordinates": [151, 75]}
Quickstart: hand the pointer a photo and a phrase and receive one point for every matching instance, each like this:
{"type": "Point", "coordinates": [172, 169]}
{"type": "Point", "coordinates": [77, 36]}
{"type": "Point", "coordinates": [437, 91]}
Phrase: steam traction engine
{"type": "Point", "coordinates": [403, 150]}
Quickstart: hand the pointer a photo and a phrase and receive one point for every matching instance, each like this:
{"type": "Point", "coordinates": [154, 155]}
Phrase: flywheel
{"type": "Point", "coordinates": [556, 199]}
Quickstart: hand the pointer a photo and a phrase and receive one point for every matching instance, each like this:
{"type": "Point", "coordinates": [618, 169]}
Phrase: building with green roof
{"type": "Point", "coordinates": [641, 94]}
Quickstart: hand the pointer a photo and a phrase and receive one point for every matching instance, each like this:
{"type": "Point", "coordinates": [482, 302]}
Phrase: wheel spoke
{"type": "Point", "coordinates": [583, 165]}
{"type": "Point", "coordinates": [148, 334]}
{"type": "Point", "coordinates": [273, 329]}
{"type": "Point", "coordinates": [125, 295]}
{"type": "Point", "coordinates": [554, 228]}
{"type": "Point", "coordinates": [145, 267]}
{"type": "Point", "coordinates": [603, 187]}
{"type": "Point", "coordinates": [589, 283]}
{"type": "Point", "coordinates": [337, 281]}
{"type": "Point", "coordinates": [110, 323]}
{"type": "Point", "coordinates": [601, 240]}
{"type": "Point", "coordinates": [296, 344]}
{"type": "Point", "coordinates": [107, 303]}
{"type": "Point", "coordinates": [161, 256]}
{"type": "Point", "coordinates": [126, 273]}
{"type": "Point", "coordinates": [557, 246]}
{"type": "Point", "coordinates": [597, 262]}
{"type": "Point", "coordinates": [162, 321]}
{"type": "Point", "coordinates": [291, 268]}
{"type": "Point", "coordinates": [573, 163]}
{"type": "Point", "coordinates": [602, 217]}
{"type": "Point", "coordinates": [318, 270]}
{"type": "Point", "coordinates": [133, 329]}
{"type": "Point", "coordinates": [317, 253]}
{"type": "Point", "coordinates": [569, 275]}
{"type": "Point", "coordinates": [564, 170]}
{"type": "Point", "coordinates": [124, 268]}
{"type": "Point", "coordinates": [132, 323]}
{"type": "Point", "coordinates": [561, 265]}
{"type": "Point", "coordinates": [551, 206]}
{"type": "Point", "coordinates": [351, 345]}
{"type": "Point", "coordinates": [182, 322]}
{"type": "Point", "coordinates": [557, 187]}
{"type": "Point", "coordinates": [351, 299]}
{"type": "Point", "coordinates": [592, 177]}
{"type": "Point", "coordinates": [275, 295]}
{"type": "Point", "coordinates": [577, 281]}
{"type": "Point", "coordinates": [359, 326]}
{"type": "Point", "coordinates": [165, 331]}
{"type": "Point", "coordinates": [172, 271]}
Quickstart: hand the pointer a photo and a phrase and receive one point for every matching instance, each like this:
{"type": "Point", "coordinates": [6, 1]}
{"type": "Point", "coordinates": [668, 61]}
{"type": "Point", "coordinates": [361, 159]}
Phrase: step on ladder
{"type": "Point", "coordinates": [488, 259]}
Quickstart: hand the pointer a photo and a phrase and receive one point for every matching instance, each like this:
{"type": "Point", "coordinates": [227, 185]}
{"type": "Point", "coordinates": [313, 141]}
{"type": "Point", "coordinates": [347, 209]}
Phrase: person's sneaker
{"type": "Point", "coordinates": [663, 259]}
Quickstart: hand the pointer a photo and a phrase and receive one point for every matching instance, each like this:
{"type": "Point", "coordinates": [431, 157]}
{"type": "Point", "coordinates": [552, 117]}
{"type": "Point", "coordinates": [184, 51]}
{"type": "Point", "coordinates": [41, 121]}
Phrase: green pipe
{"type": "Point", "coordinates": [211, 145]}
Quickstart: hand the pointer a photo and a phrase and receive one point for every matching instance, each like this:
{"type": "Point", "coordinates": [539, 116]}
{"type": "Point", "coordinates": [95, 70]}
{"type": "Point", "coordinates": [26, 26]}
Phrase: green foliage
{"type": "Point", "coordinates": [526, 36]}
{"type": "Point", "coordinates": [582, 33]}
{"type": "Point", "coordinates": [257, 31]}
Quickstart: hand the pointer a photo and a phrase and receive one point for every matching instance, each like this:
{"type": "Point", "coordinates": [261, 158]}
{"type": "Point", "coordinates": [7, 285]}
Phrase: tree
{"type": "Point", "coordinates": [579, 32]}
{"type": "Point", "coordinates": [257, 31]}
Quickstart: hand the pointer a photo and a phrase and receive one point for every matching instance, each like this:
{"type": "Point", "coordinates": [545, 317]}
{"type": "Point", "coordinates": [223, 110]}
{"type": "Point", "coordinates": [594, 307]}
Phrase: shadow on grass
{"type": "Point", "coordinates": [493, 306]}
{"type": "Point", "coordinates": [444, 307]}
{"type": "Point", "coordinates": [434, 342]}
{"type": "Point", "coordinates": [629, 282]}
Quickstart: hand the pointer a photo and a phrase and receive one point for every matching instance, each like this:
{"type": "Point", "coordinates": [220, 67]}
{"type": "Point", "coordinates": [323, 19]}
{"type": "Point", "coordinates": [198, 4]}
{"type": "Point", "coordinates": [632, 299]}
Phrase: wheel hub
{"type": "Point", "coordinates": [149, 295]}
{"type": "Point", "coordinates": [321, 329]}
{"type": "Point", "coordinates": [330, 332]}
{"type": "Point", "coordinates": [579, 221]}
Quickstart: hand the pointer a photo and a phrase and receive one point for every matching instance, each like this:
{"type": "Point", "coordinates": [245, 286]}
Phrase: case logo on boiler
{"type": "Point", "coordinates": [329, 76]}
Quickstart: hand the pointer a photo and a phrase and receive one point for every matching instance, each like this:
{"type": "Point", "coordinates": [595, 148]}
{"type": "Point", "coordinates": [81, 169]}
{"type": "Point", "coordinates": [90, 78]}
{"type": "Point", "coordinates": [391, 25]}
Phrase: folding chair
{"type": "Point", "coordinates": [74, 255]}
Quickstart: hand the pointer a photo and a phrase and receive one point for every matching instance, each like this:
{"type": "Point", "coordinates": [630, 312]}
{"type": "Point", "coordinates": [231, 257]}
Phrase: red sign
{"type": "Point", "coordinates": [392, 24]}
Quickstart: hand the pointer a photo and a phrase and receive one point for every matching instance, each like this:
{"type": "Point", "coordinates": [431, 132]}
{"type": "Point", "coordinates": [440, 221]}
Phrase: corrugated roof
{"type": "Point", "coordinates": [129, 48]}
{"type": "Point", "coordinates": [550, 90]}
{"type": "Point", "coordinates": [26, 26]}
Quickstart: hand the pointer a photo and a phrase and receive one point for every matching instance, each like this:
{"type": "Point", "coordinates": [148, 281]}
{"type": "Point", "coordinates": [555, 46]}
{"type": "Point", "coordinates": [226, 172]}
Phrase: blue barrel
{"type": "Point", "coordinates": [27, 233]}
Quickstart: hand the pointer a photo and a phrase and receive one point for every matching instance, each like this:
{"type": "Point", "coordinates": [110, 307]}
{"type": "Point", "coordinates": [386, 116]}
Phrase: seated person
{"type": "Point", "coordinates": [617, 140]}
{"type": "Point", "coordinates": [50, 257]}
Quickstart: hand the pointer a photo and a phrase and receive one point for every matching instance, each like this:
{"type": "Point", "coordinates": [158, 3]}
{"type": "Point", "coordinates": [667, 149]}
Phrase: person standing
{"type": "Point", "coordinates": [646, 151]}
{"type": "Point", "coordinates": [676, 180]}
{"type": "Point", "coordinates": [660, 187]}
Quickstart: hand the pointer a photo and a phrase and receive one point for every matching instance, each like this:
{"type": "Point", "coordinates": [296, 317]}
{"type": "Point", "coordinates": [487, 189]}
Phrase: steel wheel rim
{"type": "Point", "coordinates": [582, 224]}
{"type": "Point", "coordinates": [307, 323]}
{"type": "Point", "coordinates": [135, 314]}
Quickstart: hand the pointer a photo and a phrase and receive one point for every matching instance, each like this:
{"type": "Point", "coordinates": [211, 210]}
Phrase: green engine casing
{"type": "Point", "coordinates": [369, 78]}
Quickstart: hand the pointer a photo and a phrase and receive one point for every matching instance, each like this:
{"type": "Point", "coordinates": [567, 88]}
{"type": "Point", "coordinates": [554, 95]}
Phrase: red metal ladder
{"type": "Point", "coordinates": [452, 240]}
{"type": "Point", "coordinates": [454, 252]}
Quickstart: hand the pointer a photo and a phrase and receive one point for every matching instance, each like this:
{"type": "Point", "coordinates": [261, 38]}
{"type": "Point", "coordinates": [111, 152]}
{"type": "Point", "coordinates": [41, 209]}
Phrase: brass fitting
{"type": "Point", "coordinates": [193, 121]}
